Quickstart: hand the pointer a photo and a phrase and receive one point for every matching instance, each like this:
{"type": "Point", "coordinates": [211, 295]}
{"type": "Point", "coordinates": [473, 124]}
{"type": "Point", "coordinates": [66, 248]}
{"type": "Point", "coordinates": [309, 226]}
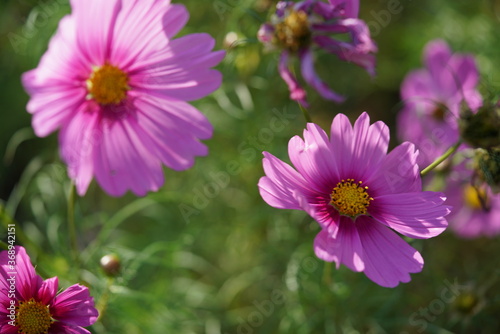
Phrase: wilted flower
{"type": "Point", "coordinates": [297, 27]}
{"type": "Point", "coordinates": [116, 84]}
{"type": "Point", "coordinates": [432, 97]}
{"type": "Point", "coordinates": [357, 192]}
{"type": "Point", "coordinates": [31, 305]}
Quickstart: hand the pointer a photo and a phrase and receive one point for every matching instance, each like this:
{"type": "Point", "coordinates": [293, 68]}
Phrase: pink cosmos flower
{"type": "Point", "coordinates": [116, 84]}
{"type": "Point", "coordinates": [357, 192]}
{"type": "Point", "coordinates": [298, 26]}
{"type": "Point", "coordinates": [477, 208]}
{"type": "Point", "coordinates": [31, 305]}
{"type": "Point", "coordinates": [432, 98]}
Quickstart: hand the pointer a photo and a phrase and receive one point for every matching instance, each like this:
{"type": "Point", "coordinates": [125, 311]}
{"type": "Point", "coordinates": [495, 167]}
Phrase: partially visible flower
{"type": "Point", "coordinates": [432, 97]}
{"type": "Point", "coordinates": [357, 192]}
{"type": "Point", "coordinates": [297, 27]}
{"type": "Point", "coordinates": [31, 305]}
{"type": "Point", "coordinates": [117, 85]}
{"type": "Point", "coordinates": [476, 208]}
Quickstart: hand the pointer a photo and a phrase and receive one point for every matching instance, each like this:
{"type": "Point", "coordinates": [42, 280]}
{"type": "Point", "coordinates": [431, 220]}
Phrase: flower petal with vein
{"type": "Point", "coordinates": [358, 193]}
{"type": "Point", "coordinates": [117, 84]}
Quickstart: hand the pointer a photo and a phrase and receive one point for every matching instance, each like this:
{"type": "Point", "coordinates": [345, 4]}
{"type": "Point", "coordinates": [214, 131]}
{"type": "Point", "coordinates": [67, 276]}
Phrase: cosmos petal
{"type": "Point", "coordinates": [397, 173]}
{"type": "Point", "coordinates": [313, 157]}
{"type": "Point", "coordinates": [160, 130]}
{"type": "Point", "coordinates": [312, 78]}
{"type": "Point", "coordinates": [132, 42]}
{"type": "Point", "coordinates": [59, 327]}
{"type": "Point", "coordinates": [345, 248]}
{"type": "Point", "coordinates": [415, 215]}
{"type": "Point", "coordinates": [123, 162]}
{"type": "Point", "coordinates": [48, 290]}
{"type": "Point", "coordinates": [75, 306]}
{"type": "Point", "coordinates": [95, 21]}
{"type": "Point", "coordinates": [297, 93]}
{"type": "Point", "coordinates": [388, 259]}
{"type": "Point", "coordinates": [279, 180]}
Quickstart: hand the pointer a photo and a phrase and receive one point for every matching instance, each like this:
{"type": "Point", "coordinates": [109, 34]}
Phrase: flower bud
{"type": "Point", "coordinates": [110, 264]}
{"type": "Point", "coordinates": [230, 40]}
{"type": "Point", "coordinates": [481, 130]}
{"type": "Point", "coordinates": [467, 303]}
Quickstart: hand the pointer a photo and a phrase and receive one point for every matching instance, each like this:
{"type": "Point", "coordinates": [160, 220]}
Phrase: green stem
{"type": "Point", "coordinates": [442, 158]}
{"type": "Point", "coordinates": [71, 224]}
{"type": "Point", "coordinates": [327, 273]}
{"type": "Point", "coordinates": [306, 114]}
{"type": "Point", "coordinates": [103, 300]}
{"type": "Point", "coordinates": [3, 245]}
{"type": "Point", "coordinates": [8, 221]}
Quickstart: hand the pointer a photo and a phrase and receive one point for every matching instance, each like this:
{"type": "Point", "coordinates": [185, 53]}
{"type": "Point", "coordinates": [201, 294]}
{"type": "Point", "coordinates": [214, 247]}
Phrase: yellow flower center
{"type": "Point", "coordinates": [475, 198]}
{"type": "Point", "coordinates": [293, 32]}
{"type": "Point", "coordinates": [350, 198]}
{"type": "Point", "coordinates": [108, 85]}
{"type": "Point", "coordinates": [33, 317]}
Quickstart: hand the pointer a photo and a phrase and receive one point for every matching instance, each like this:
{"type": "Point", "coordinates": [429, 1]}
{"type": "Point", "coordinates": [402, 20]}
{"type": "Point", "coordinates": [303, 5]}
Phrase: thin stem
{"type": "Point", "coordinates": [71, 224]}
{"type": "Point", "coordinates": [8, 221]}
{"type": "Point", "coordinates": [306, 114]}
{"type": "Point", "coordinates": [103, 300]}
{"type": "Point", "coordinates": [442, 158]}
{"type": "Point", "coordinates": [327, 273]}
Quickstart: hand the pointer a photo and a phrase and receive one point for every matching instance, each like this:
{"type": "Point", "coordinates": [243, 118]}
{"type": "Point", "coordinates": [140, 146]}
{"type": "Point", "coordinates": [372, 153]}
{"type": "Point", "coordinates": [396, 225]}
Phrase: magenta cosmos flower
{"type": "Point", "coordinates": [116, 85]}
{"type": "Point", "coordinates": [297, 27]}
{"type": "Point", "coordinates": [31, 305]}
{"type": "Point", "coordinates": [432, 98]}
{"type": "Point", "coordinates": [357, 192]}
{"type": "Point", "coordinates": [477, 208]}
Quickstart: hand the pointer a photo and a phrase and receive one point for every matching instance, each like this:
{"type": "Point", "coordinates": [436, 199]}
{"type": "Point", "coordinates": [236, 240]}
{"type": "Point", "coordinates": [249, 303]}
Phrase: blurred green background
{"type": "Point", "coordinates": [206, 254]}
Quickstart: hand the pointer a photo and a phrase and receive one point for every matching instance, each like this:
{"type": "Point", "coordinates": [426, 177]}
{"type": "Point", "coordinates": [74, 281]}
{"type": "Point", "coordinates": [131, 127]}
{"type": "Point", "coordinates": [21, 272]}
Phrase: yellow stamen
{"type": "Point", "coordinates": [350, 198]}
{"type": "Point", "coordinates": [108, 85]}
{"type": "Point", "coordinates": [33, 317]}
{"type": "Point", "coordinates": [475, 198]}
{"type": "Point", "coordinates": [293, 32]}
